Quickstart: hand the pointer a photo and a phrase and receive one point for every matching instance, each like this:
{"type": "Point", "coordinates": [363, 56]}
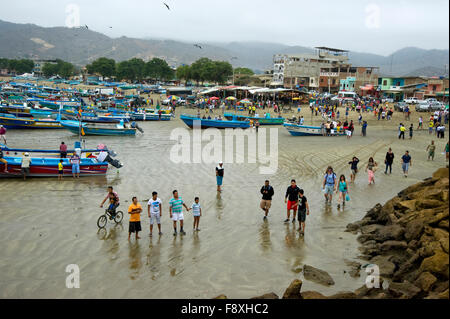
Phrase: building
{"type": "Point", "coordinates": [399, 88]}
{"type": "Point", "coordinates": [327, 70]}
{"type": "Point", "coordinates": [39, 64]}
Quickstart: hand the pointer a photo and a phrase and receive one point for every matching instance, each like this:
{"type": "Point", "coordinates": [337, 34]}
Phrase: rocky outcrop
{"type": "Point", "coordinates": [408, 240]}
{"type": "Point", "coordinates": [318, 276]}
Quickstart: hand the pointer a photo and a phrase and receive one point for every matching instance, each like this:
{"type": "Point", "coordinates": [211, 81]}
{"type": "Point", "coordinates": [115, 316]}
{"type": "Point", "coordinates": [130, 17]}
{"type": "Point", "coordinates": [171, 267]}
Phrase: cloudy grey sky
{"type": "Point", "coordinates": [375, 26]}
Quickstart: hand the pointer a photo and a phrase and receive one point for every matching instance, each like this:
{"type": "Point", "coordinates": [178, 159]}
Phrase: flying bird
{"type": "Point", "coordinates": [86, 26]}
{"type": "Point", "coordinates": [168, 8]}
{"type": "Point", "coordinates": [110, 27]}
{"type": "Point", "coordinates": [198, 46]}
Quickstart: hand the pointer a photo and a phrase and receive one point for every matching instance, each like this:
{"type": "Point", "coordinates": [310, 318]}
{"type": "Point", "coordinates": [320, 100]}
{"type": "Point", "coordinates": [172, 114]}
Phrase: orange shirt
{"type": "Point", "coordinates": [135, 217]}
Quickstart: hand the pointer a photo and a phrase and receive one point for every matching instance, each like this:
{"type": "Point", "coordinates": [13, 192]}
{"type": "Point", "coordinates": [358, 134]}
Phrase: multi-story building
{"type": "Point", "coordinates": [400, 88]}
{"type": "Point", "coordinates": [39, 64]}
{"type": "Point", "coordinates": [328, 70]}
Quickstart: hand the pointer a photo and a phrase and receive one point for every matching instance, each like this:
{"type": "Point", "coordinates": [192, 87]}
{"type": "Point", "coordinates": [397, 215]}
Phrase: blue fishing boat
{"type": "Point", "coordinates": [305, 130]}
{"type": "Point", "coordinates": [205, 123]}
{"type": "Point", "coordinates": [100, 128]}
{"type": "Point", "coordinates": [261, 120]}
{"type": "Point", "coordinates": [141, 116]}
{"type": "Point", "coordinates": [12, 122]}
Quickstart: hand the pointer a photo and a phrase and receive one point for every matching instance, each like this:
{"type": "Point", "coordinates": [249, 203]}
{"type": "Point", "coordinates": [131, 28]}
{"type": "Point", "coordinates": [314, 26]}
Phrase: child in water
{"type": "Point", "coordinates": [197, 213]}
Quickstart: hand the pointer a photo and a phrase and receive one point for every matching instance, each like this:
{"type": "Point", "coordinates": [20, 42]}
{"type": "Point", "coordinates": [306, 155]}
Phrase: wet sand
{"type": "Point", "coordinates": [46, 225]}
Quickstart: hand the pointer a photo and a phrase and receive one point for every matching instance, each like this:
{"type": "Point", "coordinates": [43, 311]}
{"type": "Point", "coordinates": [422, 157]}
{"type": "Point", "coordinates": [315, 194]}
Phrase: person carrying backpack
{"type": "Point", "coordinates": [329, 184]}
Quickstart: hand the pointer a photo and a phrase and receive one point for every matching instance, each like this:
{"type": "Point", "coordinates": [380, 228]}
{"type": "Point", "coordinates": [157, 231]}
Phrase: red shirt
{"type": "Point", "coordinates": [63, 148]}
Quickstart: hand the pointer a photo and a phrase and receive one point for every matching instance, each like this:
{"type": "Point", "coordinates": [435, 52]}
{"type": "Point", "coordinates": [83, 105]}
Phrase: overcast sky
{"type": "Point", "coordinates": [379, 26]}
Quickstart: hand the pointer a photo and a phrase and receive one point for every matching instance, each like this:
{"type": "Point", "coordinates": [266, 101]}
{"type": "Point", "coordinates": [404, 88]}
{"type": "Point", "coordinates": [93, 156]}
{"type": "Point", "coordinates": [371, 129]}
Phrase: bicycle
{"type": "Point", "coordinates": [103, 220]}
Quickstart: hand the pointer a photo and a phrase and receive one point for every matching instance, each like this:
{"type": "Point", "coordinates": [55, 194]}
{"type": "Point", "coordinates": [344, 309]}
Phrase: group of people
{"type": "Point", "coordinates": [154, 212]}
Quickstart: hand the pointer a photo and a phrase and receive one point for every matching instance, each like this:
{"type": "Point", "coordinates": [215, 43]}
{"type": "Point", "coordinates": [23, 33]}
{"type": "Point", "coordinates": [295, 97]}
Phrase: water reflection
{"type": "Point", "coordinates": [176, 256]}
{"type": "Point", "coordinates": [219, 206]}
{"type": "Point", "coordinates": [264, 237]}
{"type": "Point", "coordinates": [291, 239]}
{"type": "Point", "coordinates": [154, 257]}
{"type": "Point", "coordinates": [135, 258]}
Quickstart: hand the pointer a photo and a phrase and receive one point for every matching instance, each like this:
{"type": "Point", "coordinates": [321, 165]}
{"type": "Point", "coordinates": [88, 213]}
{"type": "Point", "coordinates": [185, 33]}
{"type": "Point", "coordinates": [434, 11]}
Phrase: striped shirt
{"type": "Point", "coordinates": [177, 205]}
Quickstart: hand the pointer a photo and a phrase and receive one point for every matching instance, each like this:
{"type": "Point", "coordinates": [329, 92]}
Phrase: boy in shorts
{"type": "Point", "coordinates": [155, 212]}
{"type": "Point", "coordinates": [135, 211]}
{"type": "Point", "coordinates": [60, 170]}
{"type": "Point", "coordinates": [176, 212]}
{"type": "Point", "coordinates": [196, 212]}
{"type": "Point", "coordinates": [303, 210]}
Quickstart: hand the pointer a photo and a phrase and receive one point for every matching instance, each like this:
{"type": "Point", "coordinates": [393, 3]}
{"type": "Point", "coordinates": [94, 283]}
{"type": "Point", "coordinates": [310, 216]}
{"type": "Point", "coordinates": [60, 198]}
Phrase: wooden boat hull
{"type": "Point", "coordinates": [261, 120]}
{"type": "Point", "coordinates": [304, 130]}
{"type": "Point", "coordinates": [23, 123]}
{"type": "Point", "coordinates": [92, 129]}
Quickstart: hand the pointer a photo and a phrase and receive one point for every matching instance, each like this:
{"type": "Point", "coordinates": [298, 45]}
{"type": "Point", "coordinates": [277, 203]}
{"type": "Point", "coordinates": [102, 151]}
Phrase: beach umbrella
{"type": "Point", "coordinates": [245, 101]}
{"type": "Point", "coordinates": [230, 98]}
{"type": "Point", "coordinates": [173, 97]}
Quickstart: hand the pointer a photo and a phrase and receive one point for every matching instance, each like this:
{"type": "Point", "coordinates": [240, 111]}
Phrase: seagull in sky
{"type": "Point", "coordinates": [168, 8]}
{"type": "Point", "coordinates": [198, 46]}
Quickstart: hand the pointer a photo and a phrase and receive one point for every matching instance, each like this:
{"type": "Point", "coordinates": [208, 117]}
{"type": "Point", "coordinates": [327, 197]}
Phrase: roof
{"type": "Point", "coordinates": [331, 49]}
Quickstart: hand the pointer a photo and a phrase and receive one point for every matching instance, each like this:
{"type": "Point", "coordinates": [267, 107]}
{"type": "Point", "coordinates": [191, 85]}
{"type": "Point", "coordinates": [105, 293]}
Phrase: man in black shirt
{"type": "Point", "coordinates": [303, 210]}
{"type": "Point", "coordinates": [354, 169]}
{"type": "Point", "coordinates": [266, 202]}
{"type": "Point", "coordinates": [219, 176]}
{"type": "Point", "coordinates": [292, 204]}
{"type": "Point", "coordinates": [388, 161]}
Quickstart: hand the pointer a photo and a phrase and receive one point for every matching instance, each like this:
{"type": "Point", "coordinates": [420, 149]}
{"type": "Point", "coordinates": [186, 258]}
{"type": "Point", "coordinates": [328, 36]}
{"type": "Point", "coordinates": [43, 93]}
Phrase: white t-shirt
{"type": "Point", "coordinates": [154, 206]}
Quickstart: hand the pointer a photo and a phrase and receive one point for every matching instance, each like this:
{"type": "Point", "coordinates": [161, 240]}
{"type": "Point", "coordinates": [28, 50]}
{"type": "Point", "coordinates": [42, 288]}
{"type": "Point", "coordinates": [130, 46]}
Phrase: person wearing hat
{"type": "Point", "coordinates": [219, 176]}
{"type": "Point", "coordinates": [25, 168]}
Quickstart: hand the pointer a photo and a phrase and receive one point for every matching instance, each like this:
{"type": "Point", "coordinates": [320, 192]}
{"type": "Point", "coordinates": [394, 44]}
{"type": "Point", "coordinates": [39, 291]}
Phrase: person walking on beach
{"type": "Point", "coordinates": [420, 127]}
{"type": "Point", "coordinates": [3, 134]}
{"type": "Point", "coordinates": [329, 184]}
{"type": "Point", "coordinates": [364, 129]}
{"type": "Point", "coordinates": [343, 191]}
{"type": "Point", "coordinates": [113, 199]}
{"type": "Point", "coordinates": [291, 198]}
{"type": "Point", "coordinates": [389, 160]}
{"type": "Point", "coordinates": [431, 149]}
{"type": "Point", "coordinates": [135, 210]}
{"type": "Point", "coordinates": [402, 131]}
{"type": "Point", "coordinates": [267, 192]}
{"type": "Point", "coordinates": [411, 129]}
{"type": "Point", "coordinates": [75, 161]}
{"type": "Point", "coordinates": [196, 212]}
{"type": "Point", "coordinates": [219, 176]}
{"type": "Point", "coordinates": [446, 152]}
{"type": "Point", "coordinates": [406, 163]}
{"type": "Point", "coordinates": [176, 212]}
{"type": "Point", "coordinates": [354, 169]}
{"type": "Point", "coordinates": [63, 150]}
{"type": "Point", "coordinates": [154, 210]}
{"type": "Point", "coordinates": [370, 169]}
{"type": "Point", "coordinates": [303, 210]}
{"type": "Point", "coordinates": [25, 167]}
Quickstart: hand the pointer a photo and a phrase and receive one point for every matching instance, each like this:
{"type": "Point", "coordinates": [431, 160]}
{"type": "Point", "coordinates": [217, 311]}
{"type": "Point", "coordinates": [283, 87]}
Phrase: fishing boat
{"type": "Point", "coordinates": [46, 164]}
{"type": "Point", "coordinates": [141, 116]}
{"type": "Point", "coordinates": [305, 130]}
{"type": "Point", "coordinates": [212, 123]}
{"type": "Point", "coordinates": [12, 122]}
{"type": "Point", "coordinates": [103, 129]}
{"type": "Point", "coordinates": [261, 120]}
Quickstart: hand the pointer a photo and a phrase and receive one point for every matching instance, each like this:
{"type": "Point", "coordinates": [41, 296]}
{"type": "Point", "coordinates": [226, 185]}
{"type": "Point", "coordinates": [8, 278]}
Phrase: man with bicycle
{"type": "Point", "coordinates": [113, 198]}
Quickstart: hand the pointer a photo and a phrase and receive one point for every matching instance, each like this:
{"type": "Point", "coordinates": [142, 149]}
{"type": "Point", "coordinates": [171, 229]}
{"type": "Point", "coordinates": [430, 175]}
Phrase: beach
{"type": "Point", "coordinates": [46, 225]}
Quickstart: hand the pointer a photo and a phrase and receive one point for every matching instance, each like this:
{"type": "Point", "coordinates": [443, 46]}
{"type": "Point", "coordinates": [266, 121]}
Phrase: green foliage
{"type": "Point", "coordinates": [61, 68]}
{"type": "Point", "coordinates": [102, 66]}
{"type": "Point", "coordinates": [206, 70]}
{"type": "Point", "coordinates": [19, 66]}
{"type": "Point", "coordinates": [244, 71]}
{"type": "Point", "coordinates": [159, 69]}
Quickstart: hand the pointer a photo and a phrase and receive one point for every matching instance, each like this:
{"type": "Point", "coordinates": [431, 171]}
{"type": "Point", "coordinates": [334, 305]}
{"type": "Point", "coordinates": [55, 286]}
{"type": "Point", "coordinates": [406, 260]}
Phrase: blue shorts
{"type": "Point", "coordinates": [219, 180]}
{"type": "Point", "coordinates": [75, 168]}
{"type": "Point", "coordinates": [405, 167]}
{"type": "Point", "coordinates": [329, 189]}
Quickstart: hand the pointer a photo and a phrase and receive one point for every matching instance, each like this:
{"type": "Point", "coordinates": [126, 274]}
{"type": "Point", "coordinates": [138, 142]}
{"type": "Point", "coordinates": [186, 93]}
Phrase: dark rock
{"type": "Point", "coordinates": [436, 264]}
{"type": "Point", "coordinates": [441, 173]}
{"type": "Point", "coordinates": [440, 286]}
{"type": "Point", "coordinates": [294, 289]}
{"type": "Point", "coordinates": [404, 289]}
{"type": "Point", "coordinates": [343, 295]}
{"type": "Point", "coordinates": [414, 229]}
{"type": "Point", "coordinates": [316, 275]}
{"type": "Point", "coordinates": [374, 212]}
{"type": "Point", "coordinates": [271, 295]}
{"type": "Point", "coordinates": [393, 244]}
{"type": "Point", "coordinates": [313, 295]}
{"type": "Point", "coordinates": [221, 297]}
{"type": "Point", "coordinates": [425, 281]}
{"type": "Point", "coordinates": [386, 267]}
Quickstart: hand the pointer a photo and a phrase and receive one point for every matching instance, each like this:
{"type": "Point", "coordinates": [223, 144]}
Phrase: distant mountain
{"type": "Point", "coordinates": [81, 46]}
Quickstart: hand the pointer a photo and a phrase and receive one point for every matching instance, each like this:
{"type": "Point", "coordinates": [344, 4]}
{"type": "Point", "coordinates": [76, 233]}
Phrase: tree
{"type": "Point", "coordinates": [50, 69]}
{"type": "Point", "coordinates": [184, 73]}
{"type": "Point", "coordinates": [158, 69]}
{"type": "Point", "coordinates": [102, 66]}
{"type": "Point", "coordinates": [61, 68]}
{"type": "Point", "coordinates": [200, 70]}
{"type": "Point", "coordinates": [221, 71]}
{"type": "Point", "coordinates": [244, 71]}
{"type": "Point", "coordinates": [21, 66]}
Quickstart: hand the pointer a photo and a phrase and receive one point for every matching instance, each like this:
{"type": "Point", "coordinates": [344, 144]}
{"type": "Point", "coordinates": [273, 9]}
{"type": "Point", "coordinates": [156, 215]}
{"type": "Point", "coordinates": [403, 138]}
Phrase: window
{"type": "Point", "coordinates": [384, 82]}
{"type": "Point", "coordinates": [434, 87]}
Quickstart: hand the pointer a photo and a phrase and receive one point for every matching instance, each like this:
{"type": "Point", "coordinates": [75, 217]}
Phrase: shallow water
{"type": "Point", "coordinates": [46, 225]}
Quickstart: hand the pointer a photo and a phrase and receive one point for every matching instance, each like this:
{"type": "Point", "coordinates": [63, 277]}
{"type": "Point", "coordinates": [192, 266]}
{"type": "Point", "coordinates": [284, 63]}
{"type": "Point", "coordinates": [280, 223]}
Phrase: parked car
{"type": "Point", "coordinates": [400, 106]}
{"type": "Point", "coordinates": [431, 100]}
{"type": "Point", "coordinates": [387, 100]}
{"type": "Point", "coordinates": [411, 100]}
{"type": "Point", "coordinates": [423, 106]}
{"type": "Point", "coordinates": [436, 106]}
